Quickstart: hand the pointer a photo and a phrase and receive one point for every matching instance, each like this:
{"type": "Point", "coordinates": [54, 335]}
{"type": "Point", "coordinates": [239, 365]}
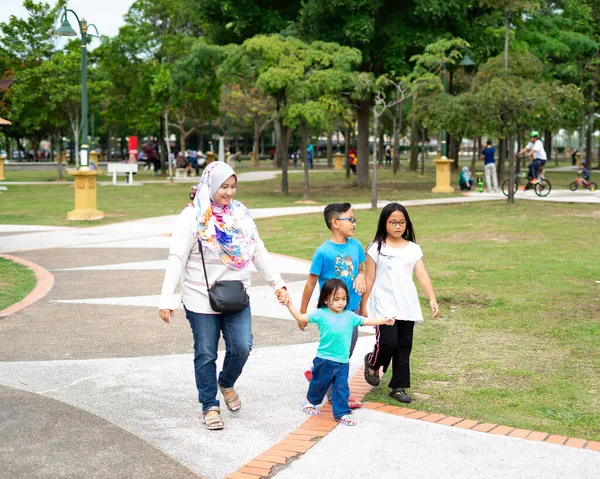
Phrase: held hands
{"type": "Point", "coordinates": [389, 321]}
{"type": "Point", "coordinates": [283, 296]}
{"type": "Point", "coordinates": [166, 314]}
{"type": "Point", "coordinates": [302, 324]}
{"type": "Point", "coordinates": [360, 285]}
{"type": "Point", "coordinates": [435, 309]}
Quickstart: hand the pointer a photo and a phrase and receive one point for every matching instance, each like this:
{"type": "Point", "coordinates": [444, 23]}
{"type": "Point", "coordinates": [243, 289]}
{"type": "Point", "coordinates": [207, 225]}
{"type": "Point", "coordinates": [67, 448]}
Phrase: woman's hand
{"type": "Point", "coordinates": [166, 314]}
{"type": "Point", "coordinates": [283, 296]}
{"type": "Point", "coordinates": [435, 309]}
{"type": "Point", "coordinates": [360, 285]}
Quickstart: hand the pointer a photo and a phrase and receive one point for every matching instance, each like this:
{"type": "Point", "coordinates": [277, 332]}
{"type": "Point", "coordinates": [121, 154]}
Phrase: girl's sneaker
{"type": "Point", "coordinates": [347, 420]}
{"type": "Point", "coordinates": [310, 409]}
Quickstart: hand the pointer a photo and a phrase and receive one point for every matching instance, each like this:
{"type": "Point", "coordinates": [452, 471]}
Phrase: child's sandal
{"type": "Point", "coordinates": [347, 420]}
{"type": "Point", "coordinates": [310, 409]}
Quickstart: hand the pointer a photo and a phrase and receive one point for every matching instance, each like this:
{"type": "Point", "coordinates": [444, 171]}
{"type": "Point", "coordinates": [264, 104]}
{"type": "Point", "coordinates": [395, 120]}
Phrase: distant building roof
{"type": "Point", "coordinates": [6, 83]}
{"type": "Point", "coordinates": [4, 122]}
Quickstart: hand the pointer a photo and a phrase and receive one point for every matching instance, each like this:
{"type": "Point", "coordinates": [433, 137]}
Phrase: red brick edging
{"type": "Point", "coordinates": [44, 283]}
{"type": "Point", "coordinates": [314, 428]}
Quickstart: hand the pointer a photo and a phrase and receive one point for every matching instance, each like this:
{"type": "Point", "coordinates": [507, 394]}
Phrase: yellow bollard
{"type": "Point", "coordinates": [210, 157]}
{"type": "Point", "coordinates": [2, 158]}
{"type": "Point", "coordinates": [338, 158]}
{"type": "Point", "coordinates": [85, 196]}
{"type": "Point", "coordinates": [442, 176]}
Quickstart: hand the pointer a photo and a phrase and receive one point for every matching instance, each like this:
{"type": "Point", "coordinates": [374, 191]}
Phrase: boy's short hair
{"type": "Point", "coordinates": [334, 211]}
{"type": "Point", "coordinates": [489, 142]}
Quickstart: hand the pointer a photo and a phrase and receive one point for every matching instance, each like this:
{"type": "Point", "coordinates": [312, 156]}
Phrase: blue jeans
{"type": "Point", "coordinates": [237, 333]}
{"type": "Point", "coordinates": [535, 166]}
{"type": "Point", "coordinates": [330, 373]}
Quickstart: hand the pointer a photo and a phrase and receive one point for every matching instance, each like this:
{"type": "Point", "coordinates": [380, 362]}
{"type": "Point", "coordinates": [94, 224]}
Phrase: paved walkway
{"type": "Point", "coordinates": [90, 371]}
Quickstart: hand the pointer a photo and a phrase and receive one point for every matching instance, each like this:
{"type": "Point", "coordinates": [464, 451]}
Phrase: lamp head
{"type": "Point", "coordinates": [466, 61]}
{"type": "Point", "coordinates": [66, 30]}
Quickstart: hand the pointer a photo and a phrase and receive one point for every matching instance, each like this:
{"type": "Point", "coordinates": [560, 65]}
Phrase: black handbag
{"type": "Point", "coordinates": [225, 296]}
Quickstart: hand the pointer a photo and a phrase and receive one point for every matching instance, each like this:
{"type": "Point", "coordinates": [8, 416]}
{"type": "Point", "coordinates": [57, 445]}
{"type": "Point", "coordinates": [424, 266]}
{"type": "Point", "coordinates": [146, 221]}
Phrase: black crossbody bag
{"type": "Point", "coordinates": [225, 296]}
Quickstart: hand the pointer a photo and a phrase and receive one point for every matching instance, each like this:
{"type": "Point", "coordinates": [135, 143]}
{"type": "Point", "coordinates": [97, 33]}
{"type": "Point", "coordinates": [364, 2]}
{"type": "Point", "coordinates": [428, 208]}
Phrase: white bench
{"type": "Point", "coordinates": [122, 168]}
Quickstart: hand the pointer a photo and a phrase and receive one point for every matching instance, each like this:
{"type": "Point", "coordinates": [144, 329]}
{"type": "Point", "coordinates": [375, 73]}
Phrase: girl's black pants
{"type": "Point", "coordinates": [394, 344]}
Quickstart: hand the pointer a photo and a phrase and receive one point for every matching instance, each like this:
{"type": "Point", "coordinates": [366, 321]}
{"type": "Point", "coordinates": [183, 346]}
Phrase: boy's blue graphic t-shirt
{"type": "Point", "coordinates": [340, 261]}
{"type": "Point", "coordinates": [335, 331]}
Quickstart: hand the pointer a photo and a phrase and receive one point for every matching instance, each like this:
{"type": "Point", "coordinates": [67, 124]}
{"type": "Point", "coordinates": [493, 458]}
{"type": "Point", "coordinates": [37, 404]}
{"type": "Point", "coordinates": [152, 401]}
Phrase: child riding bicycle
{"type": "Point", "coordinates": [585, 174]}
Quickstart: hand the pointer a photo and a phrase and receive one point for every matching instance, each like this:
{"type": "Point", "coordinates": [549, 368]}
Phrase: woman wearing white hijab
{"type": "Point", "coordinates": [230, 242]}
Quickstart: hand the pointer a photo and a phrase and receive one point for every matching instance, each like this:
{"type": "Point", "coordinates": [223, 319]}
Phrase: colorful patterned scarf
{"type": "Point", "coordinates": [228, 230]}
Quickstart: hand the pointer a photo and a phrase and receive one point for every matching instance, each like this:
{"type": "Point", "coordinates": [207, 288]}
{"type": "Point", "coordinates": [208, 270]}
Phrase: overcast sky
{"type": "Point", "coordinates": [107, 15]}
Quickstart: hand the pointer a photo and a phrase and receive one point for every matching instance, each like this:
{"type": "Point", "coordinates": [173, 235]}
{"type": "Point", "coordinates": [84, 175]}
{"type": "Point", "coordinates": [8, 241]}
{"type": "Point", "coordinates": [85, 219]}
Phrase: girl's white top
{"type": "Point", "coordinates": [184, 256]}
{"type": "Point", "coordinates": [394, 292]}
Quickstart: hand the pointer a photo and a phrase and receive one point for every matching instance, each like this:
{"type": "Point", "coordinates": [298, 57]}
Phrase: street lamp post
{"type": "Point", "coordinates": [66, 30]}
{"type": "Point", "coordinates": [444, 145]}
{"type": "Point", "coordinates": [85, 179]}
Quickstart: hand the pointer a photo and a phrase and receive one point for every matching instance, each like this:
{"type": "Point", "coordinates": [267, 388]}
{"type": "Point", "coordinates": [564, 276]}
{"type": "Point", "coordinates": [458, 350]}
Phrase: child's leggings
{"type": "Point", "coordinates": [394, 343]}
{"type": "Point", "coordinates": [326, 373]}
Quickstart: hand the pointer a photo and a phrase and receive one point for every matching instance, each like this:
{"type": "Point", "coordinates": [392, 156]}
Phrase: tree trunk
{"type": "Point", "coordinates": [511, 170]}
{"type": "Point", "coordinates": [278, 123]}
{"type": "Point", "coordinates": [374, 182]}
{"type": "Point", "coordinates": [396, 128]}
{"type": "Point", "coordinates": [423, 147]}
{"type": "Point", "coordinates": [590, 130]}
{"type": "Point", "coordinates": [163, 145]}
{"type": "Point", "coordinates": [380, 148]}
{"type": "Point", "coordinates": [362, 140]}
{"type": "Point", "coordinates": [347, 134]}
{"type": "Point", "coordinates": [330, 149]}
{"type": "Point", "coordinates": [303, 147]}
{"type": "Point", "coordinates": [255, 144]}
{"type": "Point", "coordinates": [501, 158]}
{"type": "Point", "coordinates": [282, 140]}
{"type": "Point", "coordinates": [59, 172]}
{"type": "Point", "coordinates": [548, 144]}
{"type": "Point", "coordinates": [476, 149]}
{"type": "Point", "coordinates": [414, 146]}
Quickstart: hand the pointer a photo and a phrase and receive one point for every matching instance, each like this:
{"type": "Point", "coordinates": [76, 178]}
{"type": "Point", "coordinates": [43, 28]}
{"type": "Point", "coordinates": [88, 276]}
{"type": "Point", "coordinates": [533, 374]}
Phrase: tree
{"type": "Point", "coordinates": [246, 104]}
{"type": "Point", "coordinates": [289, 71]}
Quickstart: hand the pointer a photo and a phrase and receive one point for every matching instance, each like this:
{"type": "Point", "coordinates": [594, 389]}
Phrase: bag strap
{"type": "Point", "coordinates": [203, 264]}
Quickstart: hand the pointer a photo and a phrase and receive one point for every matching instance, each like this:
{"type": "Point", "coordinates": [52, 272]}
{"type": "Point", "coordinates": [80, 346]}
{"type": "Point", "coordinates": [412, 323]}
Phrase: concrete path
{"type": "Point", "coordinates": [91, 372]}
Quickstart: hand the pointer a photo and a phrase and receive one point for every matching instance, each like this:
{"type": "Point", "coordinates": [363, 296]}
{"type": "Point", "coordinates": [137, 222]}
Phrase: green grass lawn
{"type": "Point", "coordinates": [48, 205]}
{"type": "Point", "coordinates": [518, 341]}
{"type": "Point", "coordinates": [16, 282]}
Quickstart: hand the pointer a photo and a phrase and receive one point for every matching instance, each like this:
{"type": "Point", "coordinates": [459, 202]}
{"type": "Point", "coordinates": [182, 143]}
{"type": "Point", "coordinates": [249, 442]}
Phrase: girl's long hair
{"type": "Point", "coordinates": [381, 234]}
{"type": "Point", "coordinates": [329, 288]}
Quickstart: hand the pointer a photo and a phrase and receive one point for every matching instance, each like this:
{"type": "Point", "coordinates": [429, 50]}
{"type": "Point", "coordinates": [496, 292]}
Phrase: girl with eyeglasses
{"type": "Point", "coordinates": [392, 258]}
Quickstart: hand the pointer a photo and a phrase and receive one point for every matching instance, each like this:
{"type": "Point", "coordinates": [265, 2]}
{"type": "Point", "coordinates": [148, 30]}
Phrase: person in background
{"type": "Point", "coordinates": [310, 154]}
{"type": "Point", "coordinates": [535, 150]}
{"type": "Point", "coordinates": [465, 180]}
{"type": "Point", "coordinates": [489, 162]}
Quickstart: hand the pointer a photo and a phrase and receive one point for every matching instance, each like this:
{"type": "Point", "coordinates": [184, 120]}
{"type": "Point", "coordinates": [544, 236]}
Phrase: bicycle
{"type": "Point", "coordinates": [579, 181]}
{"type": "Point", "coordinates": [542, 188]}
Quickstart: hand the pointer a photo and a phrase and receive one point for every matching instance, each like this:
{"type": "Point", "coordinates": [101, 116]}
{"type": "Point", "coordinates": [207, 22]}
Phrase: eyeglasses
{"type": "Point", "coordinates": [395, 223]}
{"type": "Point", "coordinates": [352, 220]}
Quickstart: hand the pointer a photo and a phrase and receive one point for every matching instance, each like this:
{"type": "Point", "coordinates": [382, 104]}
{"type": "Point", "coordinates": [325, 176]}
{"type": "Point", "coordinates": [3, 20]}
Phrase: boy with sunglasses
{"type": "Point", "coordinates": [340, 257]}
